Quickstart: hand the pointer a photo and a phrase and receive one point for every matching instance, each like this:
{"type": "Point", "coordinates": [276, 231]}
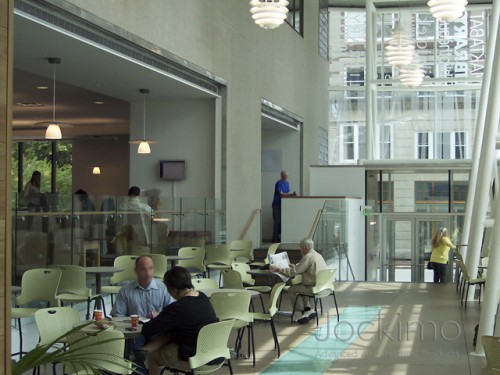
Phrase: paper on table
{"type": "Point", "coordinates": [280, 260]}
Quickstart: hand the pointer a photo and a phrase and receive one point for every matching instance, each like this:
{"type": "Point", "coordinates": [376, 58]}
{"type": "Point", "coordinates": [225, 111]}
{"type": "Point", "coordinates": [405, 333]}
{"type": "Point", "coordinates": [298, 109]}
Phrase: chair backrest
{"type": "Point", "coordinates": [272, 305]}
{"type": "Point", "coordinates": [247, 251]}
{"type": "Point", "coordinates": [243, 268]}
{"type": "Point", "coordinates": [39, 284]}
{"type": "Point", "coordinates": [103, 350]}
{"type": "Point", "coordinates": [160, 263]}
{"type": "Point", "coordinates": [194, 265]}
{"type": "Point", "coordinates": [324, 280]}
{"type": "Point", "coordinates": [127, 262]}
{"type": "Point", "coordinates": [73, 280]}
{"type": "Point", "coordinates": [491, 346]}
{"type": "Point", "coordinates": [217, 254]}
{"type": "Point", "coordinates": [271, 251]}
{"type": "Point", "coordinates": [484, 271]}
{"type": "Point", "coordinates": [232, 305]}
{"type": "Point", "coordinates": [459, 256]}
{"type": "Point", "coordinates": [232, 279]}
{"type": "Point", "coordinates": [212, 343]}
{"type": "Point", "coordinates": [463, 268]}
{"type": "Point", "coordinates": [204, 284]}
{"type": "Point", "coordinates": [54, 322]}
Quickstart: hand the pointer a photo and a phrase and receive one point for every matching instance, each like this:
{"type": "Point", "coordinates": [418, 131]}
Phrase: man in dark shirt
{"type": "Point", "coordinates": [178, 324]}
{"type": "Point", "coordinates": [281, 189]}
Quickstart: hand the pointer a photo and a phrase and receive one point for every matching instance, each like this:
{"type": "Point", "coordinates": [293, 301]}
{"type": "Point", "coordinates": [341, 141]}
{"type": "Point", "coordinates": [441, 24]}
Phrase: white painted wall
{"type": "Point", "coordinates": [112, 155]}
{"type": "Point", "coordinates": [185, 130]}
{"type": "Point", "coordinates": [338, 181]}
{"type": "Point", "coordinates": [279, 65]}
{"type": "Point", "coordinates": [287, 142]}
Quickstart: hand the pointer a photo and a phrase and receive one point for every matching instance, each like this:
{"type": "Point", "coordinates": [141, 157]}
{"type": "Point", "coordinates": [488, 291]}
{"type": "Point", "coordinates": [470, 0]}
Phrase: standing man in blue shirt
{"type": "Point", "coordinates": [281, 189]}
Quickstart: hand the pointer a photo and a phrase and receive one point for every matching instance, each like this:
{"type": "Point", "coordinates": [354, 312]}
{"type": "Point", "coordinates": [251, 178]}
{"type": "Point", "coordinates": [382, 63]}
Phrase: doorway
{"type": "Point", "coordinates": [406, 247]}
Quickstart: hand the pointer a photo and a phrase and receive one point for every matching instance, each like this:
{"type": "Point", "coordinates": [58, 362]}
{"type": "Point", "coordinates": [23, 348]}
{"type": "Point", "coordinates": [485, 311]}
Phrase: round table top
{"type": "Point", "coordinates": [179, 257]}
{"type": "Point", "coordinates": [103, 269]}
{"type": "Point", "coordinates": [260, 272]}
{"type": "Point", "coordinates": [121, 324]}
{"type": "Point", "coordinates": [237, 249]}
{"type": "Point", "coordinates": [209, 292]}
{"type": "Point", "coordinates": [15, 289]}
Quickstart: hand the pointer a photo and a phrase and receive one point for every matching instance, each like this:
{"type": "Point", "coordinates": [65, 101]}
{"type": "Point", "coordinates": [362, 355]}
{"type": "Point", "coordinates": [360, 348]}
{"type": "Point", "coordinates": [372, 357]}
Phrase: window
{"type": "Point", "coordinates": [441, 145]}
{"type": "Point", "coordinates": [323, 146]}
{"type": "Point", "coordinates": [432, 196]}
{"type": "Point", "coordinates": [384, 137]}
{"type": "Point", "coordinates": [295, 17]}
{"type": "Point", "coordinates": [352, 139]}
{"type": "Point", "coordinates": [323, 29]}
{"type": "Point", "coordinates": [355, 77]}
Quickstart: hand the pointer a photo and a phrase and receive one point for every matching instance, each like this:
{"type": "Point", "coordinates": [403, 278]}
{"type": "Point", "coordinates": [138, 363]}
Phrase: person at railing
{"type": "Point", "coordinates": [139, 217]}
{"type": "Point", "coordinates": [31, 195]}
{"type": "Point", "coordinates": [85, 201]}
{"type": "Point", "coordinates": [281, 189]}
{"type": "Point", "coordinates": [145, 297]}
{"type": "Point", "coordinates": [441, 245]}
{"type": "Point", "coordinates": [311, 263]}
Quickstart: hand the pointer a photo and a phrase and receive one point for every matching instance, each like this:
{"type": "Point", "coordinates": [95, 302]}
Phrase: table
{"type": "Point", "coordinates": [175, 258]}
{"type": "Point", "coordinates": [121, 324]}
{"type": "Point", "coordinates": [209, 292]}
{"type": "Point", "coordinates": [98, 272]}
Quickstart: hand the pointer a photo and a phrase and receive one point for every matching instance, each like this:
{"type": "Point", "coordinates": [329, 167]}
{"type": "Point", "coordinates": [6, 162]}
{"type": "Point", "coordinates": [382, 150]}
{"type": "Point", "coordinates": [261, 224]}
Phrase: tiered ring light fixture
{"type": "Point", "coordinates": [400, 48]}
{"type": "Point", "coordinates": [143, 143]}
{"type": "Point", "coordinates": [269, 14]}
{"type": "Point", "coordinates": [447, 10]}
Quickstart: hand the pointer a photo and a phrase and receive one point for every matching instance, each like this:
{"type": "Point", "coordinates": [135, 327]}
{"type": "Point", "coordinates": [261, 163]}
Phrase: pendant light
{"type": "Point", "coordinates": [269, 14]}
{"type": "Point", "coordinates": [53, 130]}
{"type": "Point", "coordinates": [412, 75]}
{"type": "Point", "coordinates": [143, 143]}
{"type": "Point", "coordinates": [96, 170]}
{"type": "Point", "coordinates": [400, 47]}
{"type": "Point", "coordinates": [447, 10]}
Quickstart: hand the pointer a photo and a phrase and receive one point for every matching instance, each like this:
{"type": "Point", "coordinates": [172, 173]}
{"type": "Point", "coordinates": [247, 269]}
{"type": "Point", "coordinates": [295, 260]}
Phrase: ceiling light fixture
{"type": "Point", "coordinates": [400, 47]}
{"type": "Point", "coordinates": [143, 143]}
{"type": "Point", "coordinates": [53, 130]}
{"type": "Point", "coordinates": [96, 170]}
{"type": "Point", "coordinates": [412, 75]}
{"type": "Point", "coordinates": [447, 10]}
{"type": "Point", "coordinates": [98, 102]}
{"type": "Point", "coordinates": [42, 87]}
{"type": "Point", "coordinates": [269, 14]}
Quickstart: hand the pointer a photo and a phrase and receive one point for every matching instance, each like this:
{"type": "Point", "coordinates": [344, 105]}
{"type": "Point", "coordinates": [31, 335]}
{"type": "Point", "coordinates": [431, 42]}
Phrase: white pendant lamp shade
{"type": "Point", "coordinates": [143, 143]}
{"type": "Point", "coordinates": [400, 47]}
{"type": "Point", "coordinates": [447, 10]}
{"type": "Point", "coordinates": [53, 132]}
{"type": "Point", "coordinates": [412, 75]}
{"type": "Point", "coordinates": [144, 148]}
{"type": "Point", "coordinates": [96, 170]}
{"type": "Point", "coordinates": [269, 14]}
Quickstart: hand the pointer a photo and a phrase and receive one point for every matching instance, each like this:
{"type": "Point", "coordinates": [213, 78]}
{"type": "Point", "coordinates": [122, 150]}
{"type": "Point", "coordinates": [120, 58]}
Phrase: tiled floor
{"type": "Point", "coordinates": [385, 328]}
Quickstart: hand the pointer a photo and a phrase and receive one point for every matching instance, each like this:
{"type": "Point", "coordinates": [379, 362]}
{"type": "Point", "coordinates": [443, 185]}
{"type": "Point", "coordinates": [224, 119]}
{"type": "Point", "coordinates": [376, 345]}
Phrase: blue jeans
{"type": "Point", "coordinates": [276, 223]}
{"type": "Point", "coordinates": [140, 356]}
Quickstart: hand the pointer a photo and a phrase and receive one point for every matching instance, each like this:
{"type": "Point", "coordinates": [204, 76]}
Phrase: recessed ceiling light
{"type": "Point", "coordinates": [98, 102]}
{"type": "Point", "coordinates": [42, 87]}
{"type": "Point", "coordinates": [29, 104]}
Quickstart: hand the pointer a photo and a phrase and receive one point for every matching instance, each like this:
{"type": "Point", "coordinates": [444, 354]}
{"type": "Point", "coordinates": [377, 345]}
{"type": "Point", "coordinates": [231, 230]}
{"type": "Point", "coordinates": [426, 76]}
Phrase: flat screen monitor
{"type": "Point", "coordinates": [173, 170]}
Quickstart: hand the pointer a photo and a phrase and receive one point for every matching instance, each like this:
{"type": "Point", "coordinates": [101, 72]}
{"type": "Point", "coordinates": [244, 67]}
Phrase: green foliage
{"type": "Point", "coordinates": [37, 156]}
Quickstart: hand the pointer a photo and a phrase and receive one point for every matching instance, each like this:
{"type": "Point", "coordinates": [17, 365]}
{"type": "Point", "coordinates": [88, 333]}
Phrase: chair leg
{"type": "Point", "coordinates": [262, 303]}
{"type": "Point", "coordinates": [321, 305]}
{"type": "Point", "coordinates": [294, 307]}
{"type": "Point", "coordinates": [336, 306]}
{"type": "Point", "coordinates": [462, 296]}
{"type": "Point", "coordinates": [316, 310]}
{"type": "Point", "coordinates": [480, 287]}
{"type": "Point", "coordinates": [230, 367]}
{"type": "Point", "coordinates": [466, 295]}
{"type": "Point", "coordinates": [250, 332]}
{"type": "Point", "coordinates": [112, 303]}
{"type": "Point", "coordinates": [275, 335]}
{"type": "Point", "coordinates": [87, 315]}
{"type": "Point", "coordinates": [20, 338]}
{"type": "Point", "coordinates": [279, 302]}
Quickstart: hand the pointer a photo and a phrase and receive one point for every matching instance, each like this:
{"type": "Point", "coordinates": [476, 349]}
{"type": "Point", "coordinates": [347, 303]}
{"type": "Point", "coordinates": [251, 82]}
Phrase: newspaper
{"type": "Point", "coordinates": [280, 260]}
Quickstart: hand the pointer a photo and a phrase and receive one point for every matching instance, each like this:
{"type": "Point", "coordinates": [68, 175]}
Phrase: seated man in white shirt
{"type": "Point", "coordinates": [145, 297]}
{"type": "Point", "coordinates": [311, 263]}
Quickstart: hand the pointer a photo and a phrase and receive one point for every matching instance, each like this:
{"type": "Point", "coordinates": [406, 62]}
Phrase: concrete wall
{"type": "Point", "coordinates": [185, 130]}
{"type": "Point", "coordinates": [112, 155]}
{"type": "Point", "coordinates": [288, 143]}
{"type": "Point", "coordinates": [6, 78]}
{"type": "Point", "coordinates": [279, 65]}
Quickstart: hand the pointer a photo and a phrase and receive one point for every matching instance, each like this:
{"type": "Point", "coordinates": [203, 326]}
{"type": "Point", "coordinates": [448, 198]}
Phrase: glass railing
{"type": "Point", "coordinates": [93, 230]}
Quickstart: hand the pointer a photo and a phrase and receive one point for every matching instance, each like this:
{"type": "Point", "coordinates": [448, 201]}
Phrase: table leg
{"type": "Point", "coordinates": [98, 289]}
{"type": "Point", "coordinates": [172, 263]}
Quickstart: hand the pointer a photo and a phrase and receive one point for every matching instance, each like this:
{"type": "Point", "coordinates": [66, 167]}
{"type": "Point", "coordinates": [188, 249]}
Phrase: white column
{"type": "Point", "coordinates": [481, 118]}
{"type": "Point", "coordinates": [370, 63]}
{"type": "Point", "coordinates": [487, 157]}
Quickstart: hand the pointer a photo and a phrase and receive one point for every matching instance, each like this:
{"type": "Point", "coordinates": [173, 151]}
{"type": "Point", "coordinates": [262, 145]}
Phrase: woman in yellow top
{"type": "Point", "coordinates": [441, 244]}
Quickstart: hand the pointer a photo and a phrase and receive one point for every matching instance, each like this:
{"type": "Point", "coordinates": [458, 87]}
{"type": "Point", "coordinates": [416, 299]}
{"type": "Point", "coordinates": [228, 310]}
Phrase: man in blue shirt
{"type": "Point", "coordinates": [146, 297]}
{"type": "Point", "coordinates": [281, 189]}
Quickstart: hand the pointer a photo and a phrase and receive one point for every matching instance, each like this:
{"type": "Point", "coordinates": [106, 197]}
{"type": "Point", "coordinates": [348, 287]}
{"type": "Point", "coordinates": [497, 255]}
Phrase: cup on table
{"type": "Point", "coordinates": [134, 321]}
{"type": "Point", "coordinates": [97, 315]}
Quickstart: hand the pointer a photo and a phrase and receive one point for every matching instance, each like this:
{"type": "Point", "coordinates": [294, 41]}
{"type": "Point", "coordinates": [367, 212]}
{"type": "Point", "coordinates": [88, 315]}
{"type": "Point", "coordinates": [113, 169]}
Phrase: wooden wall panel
{"type": "Point", "coordinates": [6, 76]}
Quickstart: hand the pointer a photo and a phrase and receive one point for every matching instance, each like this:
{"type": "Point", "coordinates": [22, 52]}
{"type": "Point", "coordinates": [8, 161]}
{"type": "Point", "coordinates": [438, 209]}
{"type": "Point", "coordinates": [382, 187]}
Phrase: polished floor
{"type": "Point", "coordinates": [384, 328]}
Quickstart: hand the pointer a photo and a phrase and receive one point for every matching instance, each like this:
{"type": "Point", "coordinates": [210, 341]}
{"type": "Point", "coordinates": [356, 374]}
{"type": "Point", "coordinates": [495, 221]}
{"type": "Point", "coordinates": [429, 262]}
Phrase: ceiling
{"type": "Point", "coordinates": [271, 124]}
{"type": "Point", "coordinates": [87, 74]}
{"type": "Point", "coordinates": [389, 3]}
